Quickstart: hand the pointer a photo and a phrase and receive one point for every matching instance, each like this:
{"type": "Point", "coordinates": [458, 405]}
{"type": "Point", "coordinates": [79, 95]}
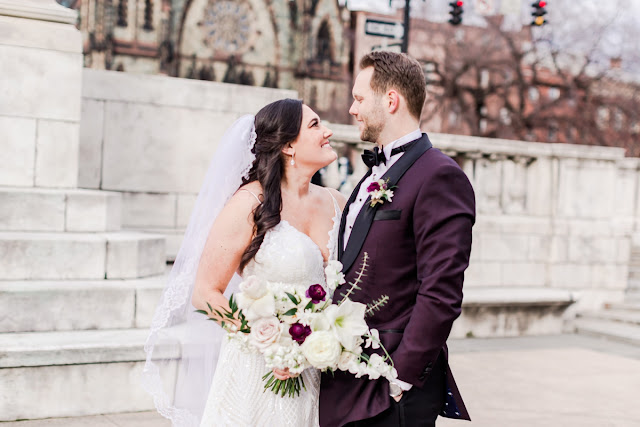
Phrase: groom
{"type": "Point", "coordinates": [418, 244]}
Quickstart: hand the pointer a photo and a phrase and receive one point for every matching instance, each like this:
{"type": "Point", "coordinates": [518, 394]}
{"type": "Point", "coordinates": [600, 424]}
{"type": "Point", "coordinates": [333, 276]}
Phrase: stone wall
{"type": "Point", "coordinates": [550, 216]}
{"type": "Point", "coordinates": [152, 138]}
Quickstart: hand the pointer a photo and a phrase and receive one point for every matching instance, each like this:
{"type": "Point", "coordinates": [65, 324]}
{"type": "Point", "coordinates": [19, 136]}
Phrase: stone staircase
{"type": "Point", "coordinates": [76, 291]}
{"type": "Point", "coordinates": [76, 298]}
{"type": "Point", "coordinates": [619, 321]}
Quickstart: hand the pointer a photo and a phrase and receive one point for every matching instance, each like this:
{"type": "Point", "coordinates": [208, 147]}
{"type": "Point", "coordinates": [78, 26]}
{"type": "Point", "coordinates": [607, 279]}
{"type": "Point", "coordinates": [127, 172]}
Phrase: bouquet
{"type": "Point", "coordinates": [295, 329]}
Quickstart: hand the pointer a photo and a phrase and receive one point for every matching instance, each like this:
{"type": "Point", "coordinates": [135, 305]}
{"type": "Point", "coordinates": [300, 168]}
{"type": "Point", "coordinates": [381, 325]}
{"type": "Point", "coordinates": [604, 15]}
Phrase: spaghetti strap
{"type": "Point", "coordinates": [336, 206]}
{"type": "Point", "coordinates": [251, 192]}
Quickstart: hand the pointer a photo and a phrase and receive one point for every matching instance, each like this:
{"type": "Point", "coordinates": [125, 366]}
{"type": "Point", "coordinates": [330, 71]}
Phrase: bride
{"type": "Point", "coordinates": [257, 214]}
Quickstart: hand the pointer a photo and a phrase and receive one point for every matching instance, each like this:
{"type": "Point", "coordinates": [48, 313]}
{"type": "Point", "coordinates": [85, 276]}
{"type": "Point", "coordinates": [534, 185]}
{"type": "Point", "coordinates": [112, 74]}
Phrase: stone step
{"type": "Point", "coordinates": [629, 333]}
{"type": "Point", "coordinates": [630, 306]}
{"type": "Point", "coordinates": [62, 256]}
{"type": "Point", "coordinates": [634, 273]}
{"type": "Point", "coordinates": [78, 305]}
{"type": "Point", "coordinates": [75, 373]}
{"type": "Point", "coordinates": [503, 311]}
{"type": "Point", "coordinates": [35, 209]}
{"type": "Point", "coordinates": [622, 316]}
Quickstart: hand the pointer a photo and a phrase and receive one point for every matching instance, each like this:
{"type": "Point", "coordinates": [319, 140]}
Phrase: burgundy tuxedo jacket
{"type": "Point", "coordinates": [418, 246]}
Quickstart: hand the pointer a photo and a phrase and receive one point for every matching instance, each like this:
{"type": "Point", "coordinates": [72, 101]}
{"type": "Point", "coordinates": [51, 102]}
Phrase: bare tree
{"type": "Point", "coordinates": [565, 83]}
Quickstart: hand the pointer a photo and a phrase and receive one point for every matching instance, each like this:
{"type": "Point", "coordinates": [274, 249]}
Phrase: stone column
{"type": "Point", "coordinates": [40, 94]}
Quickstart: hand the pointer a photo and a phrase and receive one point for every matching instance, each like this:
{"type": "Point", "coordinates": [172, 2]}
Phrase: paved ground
{"type": "Point", "coordinates": [562, 381]}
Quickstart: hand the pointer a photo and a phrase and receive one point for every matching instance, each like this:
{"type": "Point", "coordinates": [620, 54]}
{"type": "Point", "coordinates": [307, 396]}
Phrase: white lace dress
{"type": "Point", "coordinates": [236, 397]}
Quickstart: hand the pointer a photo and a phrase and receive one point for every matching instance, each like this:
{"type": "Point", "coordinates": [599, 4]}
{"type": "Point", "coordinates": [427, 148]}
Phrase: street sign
{"type": "Point", "coordinates": [393, 47]}
{"type": "Point", "coordinates": [375, 27]}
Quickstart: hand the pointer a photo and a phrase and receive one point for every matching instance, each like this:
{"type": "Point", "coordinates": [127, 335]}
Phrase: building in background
{"type": "Point", "coordinates": [487, 77]}
{"type": "Point", "coordinates": [289, 44]}
{"type": "Point", "coordinates": [494, 77]}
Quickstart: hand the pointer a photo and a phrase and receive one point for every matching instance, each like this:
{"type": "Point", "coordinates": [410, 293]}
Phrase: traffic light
{"type": "Point", "coordinates": [538, 13]}
{"type": "Point", "coordinates": [456, 12]}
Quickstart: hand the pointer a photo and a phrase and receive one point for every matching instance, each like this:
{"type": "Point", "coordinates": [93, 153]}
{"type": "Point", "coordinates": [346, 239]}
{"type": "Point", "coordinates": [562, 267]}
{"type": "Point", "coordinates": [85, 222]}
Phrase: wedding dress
{"type": "Point", "coordinates": [237, 397]}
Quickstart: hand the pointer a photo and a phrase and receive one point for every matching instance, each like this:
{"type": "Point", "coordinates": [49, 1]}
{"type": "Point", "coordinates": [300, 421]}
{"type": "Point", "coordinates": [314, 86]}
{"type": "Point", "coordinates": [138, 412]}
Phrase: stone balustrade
{"type": "Point", "coordinates": [549, 215]}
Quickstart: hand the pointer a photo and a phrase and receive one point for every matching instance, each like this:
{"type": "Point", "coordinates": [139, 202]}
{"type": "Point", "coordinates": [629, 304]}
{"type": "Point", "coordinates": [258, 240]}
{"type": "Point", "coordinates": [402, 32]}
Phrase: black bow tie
{"type": "Point", "coordinates": [375, 157]}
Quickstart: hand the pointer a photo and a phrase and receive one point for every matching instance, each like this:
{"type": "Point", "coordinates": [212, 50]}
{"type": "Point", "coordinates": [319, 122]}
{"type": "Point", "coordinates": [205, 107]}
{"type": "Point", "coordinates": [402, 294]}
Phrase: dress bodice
{"type": "Point", "coordinates": [289, 256]}
{"type": "Point", "coordinates": [286, 257]}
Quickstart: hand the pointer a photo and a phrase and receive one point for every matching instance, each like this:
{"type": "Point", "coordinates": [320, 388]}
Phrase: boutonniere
{"type": "Point", "coordinates": [380, 192]}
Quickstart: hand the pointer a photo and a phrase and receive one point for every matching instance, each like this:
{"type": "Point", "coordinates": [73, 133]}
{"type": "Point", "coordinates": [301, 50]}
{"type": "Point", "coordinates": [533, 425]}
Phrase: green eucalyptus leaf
{"type": "Point", "coordinates": [293, 298]}
{"type": "Point", "coordinates": [291, 312]}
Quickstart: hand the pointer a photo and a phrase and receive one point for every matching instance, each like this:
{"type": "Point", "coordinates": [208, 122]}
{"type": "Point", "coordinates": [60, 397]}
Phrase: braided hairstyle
{"type": "Point", "coordinates": [277, 125]}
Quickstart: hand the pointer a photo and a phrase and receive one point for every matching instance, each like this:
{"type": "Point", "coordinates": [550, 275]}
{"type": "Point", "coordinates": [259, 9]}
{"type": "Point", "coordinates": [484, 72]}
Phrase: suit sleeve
{"type": "Point", "coordinates": [444, 214]}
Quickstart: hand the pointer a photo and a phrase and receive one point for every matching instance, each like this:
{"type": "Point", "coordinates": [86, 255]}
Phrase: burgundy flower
{"type": "Point", "coordinates": [374, 186]}
{"type": "Point", "coordinates": [316, 293]}
{"type": "Point", "coordinates": [299, 332]}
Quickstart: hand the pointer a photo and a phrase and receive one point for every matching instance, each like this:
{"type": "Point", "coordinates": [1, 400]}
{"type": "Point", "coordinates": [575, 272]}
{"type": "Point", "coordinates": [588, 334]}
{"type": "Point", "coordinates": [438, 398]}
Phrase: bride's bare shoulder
{"type": "Point", "coordinates": [252, 191]}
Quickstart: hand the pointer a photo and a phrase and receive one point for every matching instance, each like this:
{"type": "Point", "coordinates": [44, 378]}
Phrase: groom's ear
{"type": "Point", "coordinates": [393, 101]}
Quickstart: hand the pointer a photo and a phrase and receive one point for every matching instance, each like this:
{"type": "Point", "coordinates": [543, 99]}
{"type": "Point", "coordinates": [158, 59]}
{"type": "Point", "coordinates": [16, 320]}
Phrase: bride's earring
{"type": "Point", "coordinates": [293, 162]}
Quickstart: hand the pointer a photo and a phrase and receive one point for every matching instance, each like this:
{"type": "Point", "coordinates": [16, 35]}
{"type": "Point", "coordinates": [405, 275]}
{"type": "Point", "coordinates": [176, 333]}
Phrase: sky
{"type": "Point", "coordinates": [612, 27]}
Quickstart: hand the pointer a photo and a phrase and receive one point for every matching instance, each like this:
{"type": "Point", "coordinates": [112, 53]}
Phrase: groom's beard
{"type": "Point", "coordinates": [371, 133]}
{"type": "Point", "coordinates": [372, 127]}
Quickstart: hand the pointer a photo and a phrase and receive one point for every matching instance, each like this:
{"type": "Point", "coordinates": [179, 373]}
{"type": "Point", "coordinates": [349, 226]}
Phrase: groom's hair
{"type": "Point", "coordinates": [397, 71]}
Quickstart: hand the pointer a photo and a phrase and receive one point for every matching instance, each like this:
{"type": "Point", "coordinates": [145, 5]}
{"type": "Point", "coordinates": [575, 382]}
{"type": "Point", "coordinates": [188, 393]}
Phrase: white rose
{"type": "Point", "coordinates": [346, 360]}
{"type": "Point", "coordinates": [322, 349]}
{"type": "Point", "coordinates": [265, 332]}
{"type": "Point", "coordinates": [253, 287]}
{"type": "Point", "coordinates": [243, 301]}
{"type": "Point", "coordinates": [263, 307]}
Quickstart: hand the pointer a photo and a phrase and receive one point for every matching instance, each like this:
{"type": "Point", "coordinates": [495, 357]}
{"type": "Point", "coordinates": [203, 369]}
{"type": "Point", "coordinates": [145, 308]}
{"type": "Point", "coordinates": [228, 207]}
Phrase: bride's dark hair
{"type": "Point", "coordinates": [277, 125]}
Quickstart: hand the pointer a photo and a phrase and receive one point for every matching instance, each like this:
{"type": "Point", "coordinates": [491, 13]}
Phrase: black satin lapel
{"type": "Point", "coordinates": [365, 218]}
{"type": "Point", "coordinates": [403, 164]}
{"type": "Point", "coordinates": [343, 219]}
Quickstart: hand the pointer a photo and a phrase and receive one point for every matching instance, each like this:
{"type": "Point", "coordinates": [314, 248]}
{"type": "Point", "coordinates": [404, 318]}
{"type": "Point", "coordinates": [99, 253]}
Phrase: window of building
{"type": "Point", "coordinates": [553, 132]}
{"type": "Point", "coordinates": [483, 125]}
{"type": "Point", "coordinates": [534, 94]}
{"type": "Point", "coordinates": [505, 116]}
{"type": "Point", "coordinates": [603, 117]}
{"type": "Point", "coordinates": [554, 93]}
{"type": "Point", "coordinates": [323, 43]}
{"type": "Point", "coordinates": [148, 15]}
{"type": "Point", "coordinates": [122, 13]}
{"type": "Point", "coordinates": [484, 78]}
{"type": "Point", "coordinates": [618, 119]}
{"type": "Point", "coordinates": [453, 118]}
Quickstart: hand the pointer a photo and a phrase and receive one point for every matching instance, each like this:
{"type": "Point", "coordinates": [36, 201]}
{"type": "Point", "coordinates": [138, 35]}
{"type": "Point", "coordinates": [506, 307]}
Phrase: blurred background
{"type": "Point", "coordinates": [110, 111]}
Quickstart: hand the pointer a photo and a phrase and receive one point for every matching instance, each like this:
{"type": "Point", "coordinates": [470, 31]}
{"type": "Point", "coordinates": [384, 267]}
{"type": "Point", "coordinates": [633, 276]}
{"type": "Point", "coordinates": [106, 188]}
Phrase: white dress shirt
{"type": "Point", "coordinates": [376, 173]}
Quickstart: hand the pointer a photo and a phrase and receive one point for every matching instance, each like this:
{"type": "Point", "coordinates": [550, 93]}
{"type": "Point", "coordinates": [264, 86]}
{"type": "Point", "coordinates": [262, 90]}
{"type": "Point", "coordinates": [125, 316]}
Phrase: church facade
{"type": "Point", "coordinates": [303, 45]}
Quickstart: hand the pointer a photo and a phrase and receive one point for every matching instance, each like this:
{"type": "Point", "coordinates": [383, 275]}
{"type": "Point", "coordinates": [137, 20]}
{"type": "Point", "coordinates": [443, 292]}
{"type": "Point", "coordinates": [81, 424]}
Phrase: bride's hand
{"type": "Point", "coordinates": [283, 374]}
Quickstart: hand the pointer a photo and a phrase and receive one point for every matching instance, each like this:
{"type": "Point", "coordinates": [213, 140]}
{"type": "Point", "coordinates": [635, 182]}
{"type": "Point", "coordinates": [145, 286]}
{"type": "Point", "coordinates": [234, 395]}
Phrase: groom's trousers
{"type": "Point", "coordinates": [418, 407]}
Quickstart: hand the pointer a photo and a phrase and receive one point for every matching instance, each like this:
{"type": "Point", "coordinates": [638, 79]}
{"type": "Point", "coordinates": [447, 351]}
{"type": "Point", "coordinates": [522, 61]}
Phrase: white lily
{"type": "Point", "coordinates": [347, 322]}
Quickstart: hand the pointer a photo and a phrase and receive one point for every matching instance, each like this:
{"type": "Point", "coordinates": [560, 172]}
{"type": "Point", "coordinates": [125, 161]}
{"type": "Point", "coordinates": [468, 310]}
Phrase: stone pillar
{"type": "Point", "coordinates": [40, 94]}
